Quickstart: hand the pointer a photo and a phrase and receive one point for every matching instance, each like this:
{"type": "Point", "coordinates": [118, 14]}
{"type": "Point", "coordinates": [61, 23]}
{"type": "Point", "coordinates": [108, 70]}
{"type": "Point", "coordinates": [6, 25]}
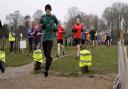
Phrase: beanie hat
{"type": "Point", "coordinates": [48, 6]}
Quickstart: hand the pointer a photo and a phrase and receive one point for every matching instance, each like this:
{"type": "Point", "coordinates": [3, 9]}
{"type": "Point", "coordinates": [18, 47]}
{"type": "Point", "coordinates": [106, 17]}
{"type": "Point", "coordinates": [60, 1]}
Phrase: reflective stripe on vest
{"type": "Point", "coordinates": [85, 61]}
{"type": "Point", "coordinates": [2, 56]}
{"type": "Point", "coordinates": [37, 56]}
{"type": "Point", "coordinates": [85, 54]}
{"type": "Point", "coordinates": [11, 38]}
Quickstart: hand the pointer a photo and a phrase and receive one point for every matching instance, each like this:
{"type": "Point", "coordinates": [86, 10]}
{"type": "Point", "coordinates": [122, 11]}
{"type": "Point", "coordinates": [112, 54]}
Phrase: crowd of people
{"type": "Point", "coordinates": [41, 33]}
{"type": "Point", "coordinates": [92, 37]}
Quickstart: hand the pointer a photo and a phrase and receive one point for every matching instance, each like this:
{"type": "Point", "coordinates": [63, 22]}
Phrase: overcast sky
{"type": "Point", "coordinates": [60, 7]}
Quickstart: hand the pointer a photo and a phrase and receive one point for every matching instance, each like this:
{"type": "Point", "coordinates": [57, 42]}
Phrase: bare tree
{"type": "Point", "coordinates": [38, 14]}
{"type": "Point", "coordinates": [73, 12]}
{"type": "Point", "coordinates": [101, 25]}
{"type": "Point", "coordinates": [113, 16]}
{"type": "Point", "coordinates": [88, 20]}
{"type": "Point", "coordinates": [15, 19]}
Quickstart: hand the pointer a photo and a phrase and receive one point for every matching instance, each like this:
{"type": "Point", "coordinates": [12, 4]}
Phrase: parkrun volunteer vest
{"type": "Point", "coordinates": [11, 37]}
{"type": "Point", "coordinates": [85, 58]}
{"type": "Point", "coordinates": [2, 56]}
{"type": "Point", "coordinates": [37, 56]}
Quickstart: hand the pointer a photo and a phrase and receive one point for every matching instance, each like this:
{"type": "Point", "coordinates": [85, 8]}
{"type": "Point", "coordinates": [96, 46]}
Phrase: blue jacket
{"type": "Point", "coordinates": [29, 31]}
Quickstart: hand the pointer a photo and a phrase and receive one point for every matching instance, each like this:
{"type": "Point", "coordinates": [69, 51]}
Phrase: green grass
{"type": "Point", "coordinates": [17, 59]}
{"type": "Point", "coordinates": [104, 61]}
{"type": "Point", "coordinates": [68, 50]}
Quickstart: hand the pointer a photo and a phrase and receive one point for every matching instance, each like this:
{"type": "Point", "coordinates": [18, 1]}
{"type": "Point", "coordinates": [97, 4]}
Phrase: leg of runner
{"type": "Point", "coordinates": [62, 49]}
{"type": "Point", "coordinates": [93, 43]}
{"type": "Point", "coordinates": [58, 54]}
{"type": "Point", "coordinates": [47, 46]}
{"type": "Point", "coordinates": [78, 50]}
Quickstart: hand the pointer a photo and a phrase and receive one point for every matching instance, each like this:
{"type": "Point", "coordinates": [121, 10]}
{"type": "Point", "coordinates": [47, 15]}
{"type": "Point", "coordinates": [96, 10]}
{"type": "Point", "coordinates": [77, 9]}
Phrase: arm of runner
{"type": "Point", "coordinates": [56, 23]}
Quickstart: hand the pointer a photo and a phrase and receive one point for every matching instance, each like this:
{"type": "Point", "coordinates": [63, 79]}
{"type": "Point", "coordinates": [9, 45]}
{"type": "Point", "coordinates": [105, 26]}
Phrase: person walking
{"type": "Point", "coordinates": [37, 32]}
{"type": "Point", "coordinates": [30, 37]}
{"type": "Point", "coordinates": [49, 24]}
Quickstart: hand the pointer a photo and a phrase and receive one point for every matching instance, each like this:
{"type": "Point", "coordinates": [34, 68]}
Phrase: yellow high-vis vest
{"type": "Point", "coordinates": [11, 38]}
{"type": "Point", "coordinates": [85, 58]}
{"type": "Point", "coordinates": [2, 56]}
{"type": "Point", "coordinates": [37, 56]}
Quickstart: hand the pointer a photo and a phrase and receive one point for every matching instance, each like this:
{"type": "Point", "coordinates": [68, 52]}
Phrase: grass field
{"type": "Point", "coordinates": [17, 59]}
{"type": "Point", "coordinates": [104, 62]}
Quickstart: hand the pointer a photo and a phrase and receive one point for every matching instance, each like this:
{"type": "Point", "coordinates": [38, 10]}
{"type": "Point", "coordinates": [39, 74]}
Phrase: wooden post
{"type": "Point", "coordinates": [122, 37]}
{"type": "Point", "coordinates": [122, 62]}
{"type": "Point", "coordinates": [21, 39]}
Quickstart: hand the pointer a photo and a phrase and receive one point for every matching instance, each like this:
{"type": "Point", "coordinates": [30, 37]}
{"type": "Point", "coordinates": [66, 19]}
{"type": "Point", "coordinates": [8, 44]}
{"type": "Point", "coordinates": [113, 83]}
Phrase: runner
{"type": "Point", "coordinates": [83, 38]}
{"type": "Point", "coordinates": [108, 39]}
{"type": "Point", "coordinates": [60, 38]}
{"type": "Point", "coordinates": [76, 29]}
{"type": "Point", "coordinates": [49, 24]}
{"type": "Point", "coordinates": [92, 34]}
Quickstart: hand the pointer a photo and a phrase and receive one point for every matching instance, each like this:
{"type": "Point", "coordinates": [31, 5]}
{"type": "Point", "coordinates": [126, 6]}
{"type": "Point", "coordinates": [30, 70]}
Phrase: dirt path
{"type": "Point", "coordinates": [12, 72]}
{"type": "Point", "coordinates": [23, 78]}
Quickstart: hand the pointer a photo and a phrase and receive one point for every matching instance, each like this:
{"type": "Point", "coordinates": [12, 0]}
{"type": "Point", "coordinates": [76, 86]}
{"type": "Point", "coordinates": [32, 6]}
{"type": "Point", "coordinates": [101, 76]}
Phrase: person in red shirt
{"type": "Point", "coordinates": [77, 29]}
{"type": "Point", "coordinates": [60, 37]}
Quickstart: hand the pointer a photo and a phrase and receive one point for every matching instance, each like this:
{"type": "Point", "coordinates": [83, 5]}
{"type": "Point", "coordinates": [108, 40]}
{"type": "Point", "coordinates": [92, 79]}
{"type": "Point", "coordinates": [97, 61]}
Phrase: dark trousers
{"type": "Point", "coordinates": [11, 45]}
{"type": "Point", "coordinates": [47, 46]}
{"type": "Point", "coordinates": [36, 41]}
{"type": "Point", "coordinates": [30, 45]}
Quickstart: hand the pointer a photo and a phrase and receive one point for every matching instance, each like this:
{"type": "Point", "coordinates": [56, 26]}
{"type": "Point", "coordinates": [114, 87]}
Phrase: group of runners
{"type": "Point", "coordinates": [41, 32]}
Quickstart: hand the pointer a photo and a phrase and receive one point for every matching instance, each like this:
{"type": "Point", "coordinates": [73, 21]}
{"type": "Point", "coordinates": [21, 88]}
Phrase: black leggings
{"type": "Point", "coordinates": [47, 46]}
{"type": "Point", "coordinates": [30, 45]}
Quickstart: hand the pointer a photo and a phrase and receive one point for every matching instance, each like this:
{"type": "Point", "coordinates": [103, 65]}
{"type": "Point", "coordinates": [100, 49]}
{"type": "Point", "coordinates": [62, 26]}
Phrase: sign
{"type": "Point", "coordinates": [22, 44]}
{"type": "Point", "coordinates": [21, 35]}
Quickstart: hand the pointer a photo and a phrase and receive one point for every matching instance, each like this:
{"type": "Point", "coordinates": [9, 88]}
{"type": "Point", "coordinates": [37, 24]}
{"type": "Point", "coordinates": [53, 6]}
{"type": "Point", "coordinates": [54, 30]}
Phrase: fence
{"type": "Point", "coordinates": [5, 44]}
{"type": "Point", "coordinates": [121, 81]}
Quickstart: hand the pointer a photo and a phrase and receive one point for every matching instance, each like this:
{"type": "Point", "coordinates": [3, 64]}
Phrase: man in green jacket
{"type": "Point", "coordinates": [49, 24]}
